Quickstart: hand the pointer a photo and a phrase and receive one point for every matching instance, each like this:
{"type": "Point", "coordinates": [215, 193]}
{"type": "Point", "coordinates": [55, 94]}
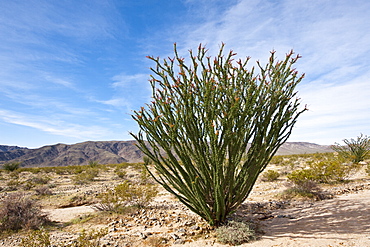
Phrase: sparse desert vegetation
{"type": "Point", "coordinates": [131, 210]}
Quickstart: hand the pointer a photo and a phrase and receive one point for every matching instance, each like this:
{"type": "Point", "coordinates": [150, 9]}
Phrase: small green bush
{"type": "Point", "coordinates": [41, 238]}
{"type": "Point", "coordinates": [93, 163]}
{"type": "Point", "coordinates": [126, 194]}
{"type": "Point", "coordinates": [43, 191]}
{"type": "Point", "coordinates": [120, 174]}
{"type": "Point", "coordinates": [13, 184]}
{"type": "Point", "coordinates": [270, 176]}
{"type": "Point", "coordinates": [89, 239]}
{"type": "Point", "coordinates": [36, 238]}
{"type": "Point", "coordinates": [40, 179]}
{"type": "Point", "coordinates": [277, 160]}
{"type": "Point", "coordinates": [68, 170]}
{"type": "Point", "coordinates": [87, 176]}
{"type": "Point", "coordinates": [302, 175]}
{"type": "Point", "coordinates": [235, 233]}
{"type": "Point", "coordinates": [354, 150]}
{"type": "Point", "coordinates": [27, 185]}
{"type": "Point", "coordinates": [326, 171]}
{"type": "Point", "coordinates": [78, 200]}
{"type": "Point", "coordinates": [14, 174]}
{"type": "Point", "coordinates": [305, 189]}
{"type": "Point", "coordinates": [11, 166]}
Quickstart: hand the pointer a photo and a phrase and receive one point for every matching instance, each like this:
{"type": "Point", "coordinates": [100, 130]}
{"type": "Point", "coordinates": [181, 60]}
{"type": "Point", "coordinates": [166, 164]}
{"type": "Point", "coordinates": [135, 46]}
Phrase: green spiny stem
{"type": "Point", "coordinates": [201, 120]}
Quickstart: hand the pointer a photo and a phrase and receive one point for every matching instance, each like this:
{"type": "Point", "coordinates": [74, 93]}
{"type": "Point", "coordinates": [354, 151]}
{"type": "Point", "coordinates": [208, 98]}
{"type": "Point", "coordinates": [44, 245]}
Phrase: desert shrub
{"type": "Point", "coordinates": [36, 238]}
{"type": "Point", "coordinates": [277, 160]}
{"type": "Point", "coordinates": [270, 176]}
{"type": "Point", "coordinates": [47, 169]}
{"type": "Point", "coordinates": [322, 156]}
{"type": "Point", "coordinates": [78, 200]}
{"type": "Point", "coordinates": [137, 195]}
{"type": "Point", "coordinates": [121, 174]}
{"type": "Point", "coordinates": [13, 184]}
{"type": "Point", "coordinates": [304, 189]}
{"type": "Point", "coordinates": [75, 169]}
{"type": "Point", "coordinates": [331, 170]}
{"type": "Point", "coordinates": [14, 174]}
{"type": "Point", "coordinates": [126, 194]}
{"type": "Point", "coordinates": [109, 201]}
{"type": "Point", "coordinates": [43, 191]}
{"type": "Point", "coordinates": [68, 170]}
{"type": "Point", "coordinates": [93, 163]}
{"type": "Point", "coordinates": [121, 166]}
{"type": "Point", "coordinates": [61, 170]}
{"type": "Point", "coordinates": [33, 170]}
{"type": "Point", "coordinates": [89, 239]}
{"type": "Point", "coordinates": [235, 233]}
{"type": "Point", "coordinates": [156, 241]}
{"type": "Point", "coordinates": [40, 179]}
{"type": "Point", "coordinates": [18, 211]}
{"type": "Point", "coordinates": [11, 166]}
{"type": "Point", "coordinates": [354, 150]}
{"type": "Point", "coordinates": [368, 169]}
{"type": "Point", "coordinates": [302, 175]}
{"type": "Point", "coordinates": [41, 238]}
{"type": "Point", "coordinates": [203, 117]}
{"type": "Point", "coordinates": [27, 185]}
{"type": "Point", "coordinates": [87, 176]}
{"type": "Point", "coordinates": [145, 177]}
{"type": "Point", "coordinates": [125, 165]}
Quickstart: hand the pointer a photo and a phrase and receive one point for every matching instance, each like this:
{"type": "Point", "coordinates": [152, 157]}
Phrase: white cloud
{"type": "Point", "coordinates": [116, 102]}
{"type": "Point", "coordinates": [333, 39]}
{"type": "Point", "coordinates": [129, 90]}
{"type": "Point", "coordinates": [59, 81]}
{"type": "Point", "coordinates": [336, 111]}
{"type": "Point", "coordinates": [54, 58]}
{"type": "Point", "coordinates": [129, 81]}
{"type": "Point", "coordinates": [53, 125]}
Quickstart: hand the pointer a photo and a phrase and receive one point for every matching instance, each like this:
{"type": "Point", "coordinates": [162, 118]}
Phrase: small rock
{"type": "Point", "coordinates": [195, 228]}
{"type": "Point", "coordinates": [113, 229]}
{"type": "Point", "coordinates": [285, 216]}
{"type": "Point", "coordinates": [142, 235]}
{"type": "Point", "coordinates": [174, 236]}
{"type": "Point", "coordinates": [179, 241]}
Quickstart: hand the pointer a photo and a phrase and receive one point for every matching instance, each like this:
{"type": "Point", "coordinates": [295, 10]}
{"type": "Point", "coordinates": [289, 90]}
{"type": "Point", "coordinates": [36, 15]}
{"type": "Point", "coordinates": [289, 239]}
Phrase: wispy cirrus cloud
{"type": "Point", "coordinates": [53, 125]}
{"type": "Point", "coordinates": [79, 63]}
{"type": "Point", "coordinates": [333, 39]}
{"type": "Point", "coordinates": [128, 91]}
{"type": "Point", "coordinates": [45, 64]}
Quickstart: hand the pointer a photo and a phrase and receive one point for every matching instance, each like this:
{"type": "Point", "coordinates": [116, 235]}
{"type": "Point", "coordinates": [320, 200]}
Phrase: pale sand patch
{"type": "Point", "coordinates": [68, 214]}
{"type": "Point", "coordinates": [342, 221]}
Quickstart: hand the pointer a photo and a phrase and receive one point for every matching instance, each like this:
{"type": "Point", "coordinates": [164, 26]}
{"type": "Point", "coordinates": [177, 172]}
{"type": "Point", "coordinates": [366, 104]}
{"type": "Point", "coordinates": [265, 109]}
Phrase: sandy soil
{"type": "Point", "coordinates": [342, 221]}
{"type": "Point", "coordinates": [68, 214]}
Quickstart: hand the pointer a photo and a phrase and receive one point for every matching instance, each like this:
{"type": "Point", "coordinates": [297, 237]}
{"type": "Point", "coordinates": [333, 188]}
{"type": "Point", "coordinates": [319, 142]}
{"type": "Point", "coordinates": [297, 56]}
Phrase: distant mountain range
{"type": "Point", "coordinates": [4, 148]}
{"type": "Point", "coordinates": [108, 152]}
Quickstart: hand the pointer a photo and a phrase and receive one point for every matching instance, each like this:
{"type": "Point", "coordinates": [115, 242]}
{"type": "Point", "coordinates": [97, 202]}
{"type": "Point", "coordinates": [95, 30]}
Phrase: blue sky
{"type": "Point", "coordinates": [73, 70]}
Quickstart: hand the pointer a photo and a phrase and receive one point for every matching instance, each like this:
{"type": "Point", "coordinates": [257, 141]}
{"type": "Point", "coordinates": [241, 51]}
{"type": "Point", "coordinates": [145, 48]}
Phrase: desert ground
{"type": "Point", "coordinates": [342, 219]}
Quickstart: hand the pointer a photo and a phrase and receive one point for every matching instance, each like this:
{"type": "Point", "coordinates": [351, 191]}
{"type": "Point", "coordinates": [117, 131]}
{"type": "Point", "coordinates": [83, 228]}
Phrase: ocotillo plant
{"type": "Point", "coordinates": [354, 150]}
{"type": "Point", "coordinates": [214, 125]}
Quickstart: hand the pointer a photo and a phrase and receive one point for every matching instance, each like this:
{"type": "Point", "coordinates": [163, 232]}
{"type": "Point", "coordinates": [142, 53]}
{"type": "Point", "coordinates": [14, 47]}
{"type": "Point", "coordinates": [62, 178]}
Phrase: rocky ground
{"type": "Point", "coordinates": [343, 220]}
